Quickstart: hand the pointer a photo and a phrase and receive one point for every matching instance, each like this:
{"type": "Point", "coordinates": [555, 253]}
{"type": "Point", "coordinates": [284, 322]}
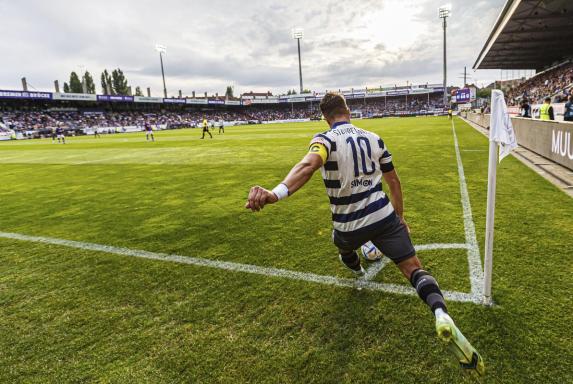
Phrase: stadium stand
{"type": "Point", "coordinates": [37, 118]}
{"type": "Point", "coordinates": [555, 82]}
{"type": "Point", "coordinates": [529, 34]}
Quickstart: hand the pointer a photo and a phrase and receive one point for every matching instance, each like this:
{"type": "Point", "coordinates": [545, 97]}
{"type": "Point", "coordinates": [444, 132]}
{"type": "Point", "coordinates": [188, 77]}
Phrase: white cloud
{"type": "Point", "coordinates": [215, 43]}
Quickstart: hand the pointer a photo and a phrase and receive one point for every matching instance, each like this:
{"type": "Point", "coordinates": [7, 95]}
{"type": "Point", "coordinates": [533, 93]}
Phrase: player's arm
{"type": "Point", "coordinates": [298, 176]}
{"type": "Point", "coordinates": [391, 178]}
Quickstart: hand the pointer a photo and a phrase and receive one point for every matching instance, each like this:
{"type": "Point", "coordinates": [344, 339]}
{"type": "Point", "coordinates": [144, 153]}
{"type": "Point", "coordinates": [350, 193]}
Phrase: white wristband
{"type": "Point", "coordinates": [281, 191]}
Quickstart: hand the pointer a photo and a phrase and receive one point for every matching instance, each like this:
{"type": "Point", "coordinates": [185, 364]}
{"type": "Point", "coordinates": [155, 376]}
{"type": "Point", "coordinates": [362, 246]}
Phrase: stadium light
{"type": "Point", "coordinates": [162, 50]}
{"type": "Point", "coordinates": [297, 34]}
{"type": "Point", "coordinates": [444, 12]}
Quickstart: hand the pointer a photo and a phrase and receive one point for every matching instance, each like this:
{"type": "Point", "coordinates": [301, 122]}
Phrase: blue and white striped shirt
{"type": "Point", "coordinates": [353, 177]}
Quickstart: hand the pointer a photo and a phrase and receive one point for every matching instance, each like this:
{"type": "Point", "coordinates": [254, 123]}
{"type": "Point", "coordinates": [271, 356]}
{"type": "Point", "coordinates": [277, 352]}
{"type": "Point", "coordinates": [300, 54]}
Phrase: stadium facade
{"type": "Point", "coordinates": [215, 100]}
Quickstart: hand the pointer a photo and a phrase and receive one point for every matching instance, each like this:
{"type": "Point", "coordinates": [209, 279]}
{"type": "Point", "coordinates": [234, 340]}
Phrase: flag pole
{"type": "Point", "coordinates": [501, 138]}
{"type": "Point", "coordinates": [489, 221]}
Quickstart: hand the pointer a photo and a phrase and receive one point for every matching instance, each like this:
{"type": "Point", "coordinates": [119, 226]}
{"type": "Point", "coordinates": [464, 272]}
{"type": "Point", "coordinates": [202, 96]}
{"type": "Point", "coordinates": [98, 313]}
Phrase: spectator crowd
{"type": "Point", "coordinates": [73, 119]}
{"type": "Point", "coordinates": [555, 83]}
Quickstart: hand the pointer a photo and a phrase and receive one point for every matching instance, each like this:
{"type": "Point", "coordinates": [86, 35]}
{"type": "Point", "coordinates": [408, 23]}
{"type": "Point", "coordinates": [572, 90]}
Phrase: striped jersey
{"type": "Point", "coordinates": [352, 175]}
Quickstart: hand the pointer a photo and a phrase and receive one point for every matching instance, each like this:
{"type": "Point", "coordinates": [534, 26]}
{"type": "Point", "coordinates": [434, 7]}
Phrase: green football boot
{"type": "Point", "coordinates": [468, 357]}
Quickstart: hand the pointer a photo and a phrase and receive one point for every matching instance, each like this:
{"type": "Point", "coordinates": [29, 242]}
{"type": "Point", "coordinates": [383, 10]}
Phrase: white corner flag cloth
{"type": "Point", "coordinates": [501, 129]}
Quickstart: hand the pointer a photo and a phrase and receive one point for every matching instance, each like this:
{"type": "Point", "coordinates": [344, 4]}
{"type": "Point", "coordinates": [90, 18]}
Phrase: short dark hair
{"type": "Point", "coordinates": [332, 105]}
{"type": "Point", "coordinates": [548, 99]}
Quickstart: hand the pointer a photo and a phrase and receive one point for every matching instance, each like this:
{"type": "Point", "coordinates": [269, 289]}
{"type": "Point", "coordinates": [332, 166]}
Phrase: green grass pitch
{"type": "Point", "coordinates": [71, 315]}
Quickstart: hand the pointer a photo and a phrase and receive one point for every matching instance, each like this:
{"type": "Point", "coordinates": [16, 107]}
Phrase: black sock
{"type": "Point", "coordinates": [428, 290]}
{"type": "Point", "coordinates": [351, 260]}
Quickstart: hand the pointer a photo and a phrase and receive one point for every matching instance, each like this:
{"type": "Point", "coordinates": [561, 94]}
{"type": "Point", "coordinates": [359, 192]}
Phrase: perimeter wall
{"type": "Point", "coordinates": [550, 139]}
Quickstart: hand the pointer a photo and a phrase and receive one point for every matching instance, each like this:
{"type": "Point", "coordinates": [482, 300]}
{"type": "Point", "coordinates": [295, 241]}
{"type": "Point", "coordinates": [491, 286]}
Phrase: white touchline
{"type": "Point", "coordinates": [474, 258]}
{"type": "Point", "coordinates": [238, 267]}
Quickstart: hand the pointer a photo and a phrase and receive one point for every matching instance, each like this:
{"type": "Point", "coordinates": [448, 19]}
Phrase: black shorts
{"type": "Point", "coordinates": [391, 238]}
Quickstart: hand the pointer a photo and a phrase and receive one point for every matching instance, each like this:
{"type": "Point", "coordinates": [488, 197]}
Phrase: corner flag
{"type": "Point", "coordinates": [501, 129]}
{"type": "Point", "coordinates": [501, 133]}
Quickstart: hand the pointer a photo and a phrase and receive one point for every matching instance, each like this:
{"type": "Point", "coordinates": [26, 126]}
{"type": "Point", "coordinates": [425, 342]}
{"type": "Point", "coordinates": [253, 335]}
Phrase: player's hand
{"type": "Point", "coordinates": [405, 224]}
{"type": "Point", "coordinates": [259, 197]}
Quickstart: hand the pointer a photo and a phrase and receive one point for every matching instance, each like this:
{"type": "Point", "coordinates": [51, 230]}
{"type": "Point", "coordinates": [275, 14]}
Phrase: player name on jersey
{"type": "Point", "coordinates": [352, 175]}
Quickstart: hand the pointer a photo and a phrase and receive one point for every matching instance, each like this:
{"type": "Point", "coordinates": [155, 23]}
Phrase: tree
{"type": "Point", "coordinates": [119, 82]}
{"type": "Point", "coordinates": [229, 92]}
{"type": "Point", "coordinates": [106, 83]}
{"type": "Point", "coordinates": [66, 88]}
{"type": "Point", "coordinates": [306, 90]}
{"type": "Point", "coordinates": [484, 93]}
{"type": "Point", "coordinates": [90, 85]}
{"type": "Point", "coordinates": [138, 91]}
{"type": "Point", "coordinates": [75, 83]}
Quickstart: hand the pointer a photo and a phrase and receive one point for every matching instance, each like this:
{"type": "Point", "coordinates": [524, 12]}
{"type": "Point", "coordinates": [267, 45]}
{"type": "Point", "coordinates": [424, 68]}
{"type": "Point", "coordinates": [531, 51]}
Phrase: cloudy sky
{"type": "Point", "coordinates": [247, 44]}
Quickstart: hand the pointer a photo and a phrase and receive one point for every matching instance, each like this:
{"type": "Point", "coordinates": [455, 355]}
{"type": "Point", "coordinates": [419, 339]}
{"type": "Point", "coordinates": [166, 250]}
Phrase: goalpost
{"type": "Point", "coordinates": [356, 114]}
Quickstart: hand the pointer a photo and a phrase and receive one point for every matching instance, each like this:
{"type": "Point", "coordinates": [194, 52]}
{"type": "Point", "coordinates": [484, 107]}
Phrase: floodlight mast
{"type": "Point", "coordinates": [297, 34]}
{"type": "Point", "coordinates": [162, 49]}
{"type": "Point", "coordinates": [444, 12]}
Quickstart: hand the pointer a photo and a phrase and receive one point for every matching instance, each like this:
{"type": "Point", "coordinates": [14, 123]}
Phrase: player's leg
{"type": "Point", "coordinates": [395, 243]}
{"type": "Point", "coordinates": [209, 132]}
{"type": "Point", "coordinates": [63, 139]}
{"type": "Point", "coordinates": [351, 260]}
{"type": "Point", "coordinates": [152, 137]}
{"type": "Point", "coordinates": [347, 254]}
{"type": "Point", "coordinates": [427, 288]}
{"type": "Point", "coordinates": [203, 134]}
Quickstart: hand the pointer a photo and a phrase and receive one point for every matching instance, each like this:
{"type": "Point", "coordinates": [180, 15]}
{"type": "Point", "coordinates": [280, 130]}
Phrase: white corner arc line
{"type": "Point", "coordinates": [238, 267]}
{"type": "Point", "coordinates": [474, 258]}
{"type": "Point", "coordinates": [376, 267]}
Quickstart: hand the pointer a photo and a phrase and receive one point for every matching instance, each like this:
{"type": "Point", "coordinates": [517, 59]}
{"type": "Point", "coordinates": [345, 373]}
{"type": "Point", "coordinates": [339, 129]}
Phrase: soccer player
{"type": "Point", "coordinates": [353, 163]}
{"type": "Point", "coordinates": [60, 135]}
{"type": "Point", "coordinates": [206, 128]}
{"type": "Point", "coordinates": [149, 132]}
{"type": "Point", "coordinates": [221, 126]}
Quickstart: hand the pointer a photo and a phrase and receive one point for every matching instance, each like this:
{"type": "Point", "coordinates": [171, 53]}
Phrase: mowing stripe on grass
{"type": "Point", "coordinates": [237, 267]}
{"type": "Point", "coordinates": [474, 259]}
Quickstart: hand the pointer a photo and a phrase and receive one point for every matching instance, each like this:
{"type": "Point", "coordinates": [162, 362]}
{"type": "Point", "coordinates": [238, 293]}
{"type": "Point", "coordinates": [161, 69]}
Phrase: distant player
{"type": "Point", "coordinates": [450, 113]}
{"type": "Point", "coordinates": [149, 132]}
{"type": "Point", "coordinates": [60, 135]}
{"type": "Point", "coordinates": [206, 129]}
{"type": "Point", "coordinates": [353, 163]}
{"type": "Point", "coordinates": [53, 135]}
{"type": "Point", "coordinates": [96, 133]}
{"type": "Point", "coordinates": [221, 126]}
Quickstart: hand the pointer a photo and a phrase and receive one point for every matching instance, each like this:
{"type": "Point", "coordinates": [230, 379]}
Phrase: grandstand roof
{"type": "Point", "coordinates": [529, 34]}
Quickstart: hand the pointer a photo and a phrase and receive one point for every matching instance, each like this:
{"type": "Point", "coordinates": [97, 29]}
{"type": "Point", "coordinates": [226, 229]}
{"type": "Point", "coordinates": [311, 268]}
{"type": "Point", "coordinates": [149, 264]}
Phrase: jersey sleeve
{"type": "Point", "coordinates": [386, 158]}
{"type": "Point", "coordinates": [321, 138]}
{"type": "Point", "coordinates": [319, 149]}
